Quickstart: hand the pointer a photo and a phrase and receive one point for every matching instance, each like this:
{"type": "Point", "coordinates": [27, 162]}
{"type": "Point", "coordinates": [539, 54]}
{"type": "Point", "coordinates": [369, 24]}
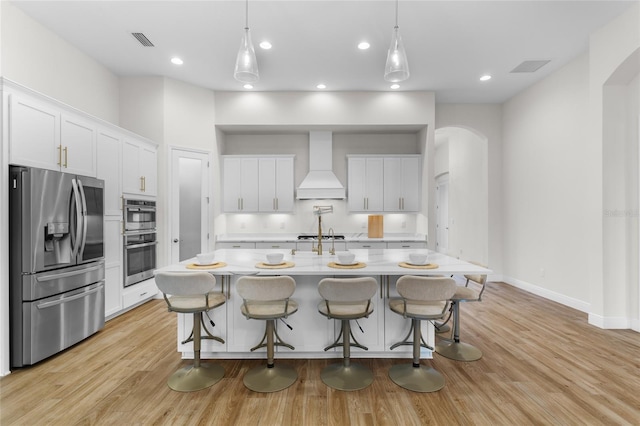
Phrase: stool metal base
{"type": "Point", "coordinates": [417, 379]}
{"type": "Point", "coordinates": [458, 351]}
{"type": "Point", "coordinates": [190, 379]}
{"type": "Point", "coordinates": [274, 379]}
{"type": "Point", "coordinates": [340, 377]}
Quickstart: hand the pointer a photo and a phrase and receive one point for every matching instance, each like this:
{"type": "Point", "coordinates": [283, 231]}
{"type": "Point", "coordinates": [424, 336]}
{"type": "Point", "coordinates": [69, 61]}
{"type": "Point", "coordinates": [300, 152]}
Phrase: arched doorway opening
{"type": "Point", "coordinates": [461, 169]}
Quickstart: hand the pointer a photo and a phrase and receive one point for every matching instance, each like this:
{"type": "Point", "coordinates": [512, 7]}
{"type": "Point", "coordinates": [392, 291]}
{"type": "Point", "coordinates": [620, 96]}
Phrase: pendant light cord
{"type": "Point", "coordinates": [246, 15]}
{"type": "Point", "coordinates": [396, 13]}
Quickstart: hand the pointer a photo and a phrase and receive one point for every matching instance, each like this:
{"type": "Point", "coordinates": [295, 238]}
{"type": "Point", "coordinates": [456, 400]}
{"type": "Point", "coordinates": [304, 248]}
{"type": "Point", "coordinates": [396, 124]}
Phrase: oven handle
{"type": "Point", "coordinates": [140, 209]}
{"type": "Point", "coordinates": [132, 246]}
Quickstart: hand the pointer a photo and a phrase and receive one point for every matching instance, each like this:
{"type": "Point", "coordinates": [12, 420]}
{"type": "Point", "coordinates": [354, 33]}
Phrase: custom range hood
{"type": "Point", "coordinates": [320, 183]}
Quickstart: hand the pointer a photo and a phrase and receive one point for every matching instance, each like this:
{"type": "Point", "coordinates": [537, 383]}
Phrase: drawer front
{"type": "Point", "coordinates": [287, 245]}
{"type": "Point", "coordinates": [139, 292]}
{"type": "Point", "coordinates": [366, 245]}
{"type": "Point", "coordinates": [235, 245]}
{"type": "Point", "coordinates": [407, 244]}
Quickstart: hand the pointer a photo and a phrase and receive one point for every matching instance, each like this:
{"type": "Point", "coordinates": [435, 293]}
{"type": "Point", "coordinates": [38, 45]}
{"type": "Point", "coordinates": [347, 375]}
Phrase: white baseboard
{"type": "Point", "coordinates": [547, 294]}
{"type": "Point", "coordinates": [599, 321]}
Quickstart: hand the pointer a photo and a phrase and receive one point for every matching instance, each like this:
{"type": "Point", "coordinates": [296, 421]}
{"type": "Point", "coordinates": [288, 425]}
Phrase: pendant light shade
{"type": "Point", "coordinates": [246, 70]}
{"type": "Point", "coordinates": [397, 66]}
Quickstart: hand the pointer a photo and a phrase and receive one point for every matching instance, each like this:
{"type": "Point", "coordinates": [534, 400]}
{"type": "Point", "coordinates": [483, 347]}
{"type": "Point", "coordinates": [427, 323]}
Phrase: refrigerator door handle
{"type": "Point", "coordinates": [84, 218]}
{"type": "Point", "coordinates": [69, 274]}
{"type": "Point", "coordinates": [62, 300]}
{"type": "Point", "coordinates": [78, 225]}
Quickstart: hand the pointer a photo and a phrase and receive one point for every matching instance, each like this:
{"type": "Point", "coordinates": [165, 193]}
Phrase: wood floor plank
{"type": "Point", "coordinates": [542, 364]}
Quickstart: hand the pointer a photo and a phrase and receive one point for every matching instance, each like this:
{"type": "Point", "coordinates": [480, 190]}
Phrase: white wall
{"type": "Point", "coordinates": [463, 154]}
{"type": "Point", "coordinates": [545, 186]}
{"type": "Point", "coordinates": [39, 59]}
{"type": "Point", "coordinates": [337, 111]}
{"type": "Point", "coordinates": [613, 54]}
{"type": "Point", "coordinates": [485, 120]}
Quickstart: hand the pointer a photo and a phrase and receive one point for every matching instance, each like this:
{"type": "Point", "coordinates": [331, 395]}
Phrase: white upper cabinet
{"type": "Point", "coordinates": [384, 183]}
{"type": "Point", "coordinates": [42, 136]}
{"type": "Point", "coordinates": [139, 168]}
{"type": "Point", "coordinates": [109, 169]}
{"type": "Point", "coordinates": [402, 180]}
{"type": "Point", "coordinates": [34, 133]}
{"type": "Point", "coordinates": [365, 182]}
{"type": "Point", "coordinates": [258, 184]}
{"type": "Point", "coordinates": [240, 184]}
{"type": "Point", "coordinates": [275, 184]}
{"type": "Point", "coordinates": [78, 145]}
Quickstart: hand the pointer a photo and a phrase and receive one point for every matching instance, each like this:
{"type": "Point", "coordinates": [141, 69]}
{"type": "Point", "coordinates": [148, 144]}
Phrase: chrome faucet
{"type": "Point", "coordinates": [332, 235]}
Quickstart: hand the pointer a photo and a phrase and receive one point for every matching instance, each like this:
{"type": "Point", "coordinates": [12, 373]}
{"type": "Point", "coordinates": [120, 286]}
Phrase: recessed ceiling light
{"type": "Point", "coordinates": [395, 86]}
{"type": "Point", "coordinates": [265, 45]}
{"type": "Point", "coordinates": [248, 86]}
{"type": "Point", "coordinates": [363, 45]}
{"type": "Point", "coordinates": [485, 77]}
{"type": "Point", "coordinates": [321, 86]}
{"type": "Point", "coordinates": [176, 61]}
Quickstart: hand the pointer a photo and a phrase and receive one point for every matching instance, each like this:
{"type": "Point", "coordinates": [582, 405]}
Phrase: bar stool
{"type": "Point", "coordinates": [185, 293]}
{"type": "Point", "coordinates": [346, 299]}
{"type": "Point", "coordinates": [267, 298]}
{"type": "Point", "coordinates": [422, 298]}
{"type": "Point", "coordinates": [455, 349]}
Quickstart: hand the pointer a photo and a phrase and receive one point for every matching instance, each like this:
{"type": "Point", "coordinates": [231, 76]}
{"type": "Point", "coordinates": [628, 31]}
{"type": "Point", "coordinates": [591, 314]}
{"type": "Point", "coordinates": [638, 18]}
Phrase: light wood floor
{"type": "Point", "coordinates": [542, 364]}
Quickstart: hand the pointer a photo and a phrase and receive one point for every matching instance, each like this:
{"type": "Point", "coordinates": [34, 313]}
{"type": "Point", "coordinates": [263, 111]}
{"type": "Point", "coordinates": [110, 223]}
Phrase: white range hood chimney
{"type": "Point", "coordinates": [320, 183]}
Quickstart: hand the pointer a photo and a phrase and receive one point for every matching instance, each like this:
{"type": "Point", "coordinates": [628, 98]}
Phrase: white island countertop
{"type": "Point", "coordinates": [377, 261]}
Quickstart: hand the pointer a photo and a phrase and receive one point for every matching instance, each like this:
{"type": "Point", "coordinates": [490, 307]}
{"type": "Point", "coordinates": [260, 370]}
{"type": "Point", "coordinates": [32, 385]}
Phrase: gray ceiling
{"type": "Point", "coordinates": [450, 44]}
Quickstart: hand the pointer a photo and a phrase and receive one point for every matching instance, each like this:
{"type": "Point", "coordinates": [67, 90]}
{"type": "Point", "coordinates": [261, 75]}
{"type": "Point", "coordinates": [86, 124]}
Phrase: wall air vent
{"type": "Point", "coordinates": [142, 39]}
{"type": "Point", "coordinates": [530, 66]}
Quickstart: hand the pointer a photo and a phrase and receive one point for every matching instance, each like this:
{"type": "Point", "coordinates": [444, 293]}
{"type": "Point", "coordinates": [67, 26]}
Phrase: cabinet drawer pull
{"type": "Point", "coordinates": [66, 156]}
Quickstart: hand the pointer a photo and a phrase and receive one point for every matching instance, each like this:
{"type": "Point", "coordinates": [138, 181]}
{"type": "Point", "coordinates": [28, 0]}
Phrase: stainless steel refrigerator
{"type": "Point", "coordinates": [56, 261]}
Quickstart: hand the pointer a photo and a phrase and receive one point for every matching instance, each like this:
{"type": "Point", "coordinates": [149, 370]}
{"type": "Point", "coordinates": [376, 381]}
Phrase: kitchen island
{"type": "Point", "coordinates": [311, 332]}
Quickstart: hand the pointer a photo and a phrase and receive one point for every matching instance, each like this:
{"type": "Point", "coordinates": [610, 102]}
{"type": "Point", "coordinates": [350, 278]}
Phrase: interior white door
{"type": "Point", "coordinates": [189, 203]}
{"type": "Point", "coordinates": [442, 214]}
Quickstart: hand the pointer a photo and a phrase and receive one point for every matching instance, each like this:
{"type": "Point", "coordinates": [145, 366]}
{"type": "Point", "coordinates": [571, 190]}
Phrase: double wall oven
{"type": "Point", "coordinates": [139, 240]}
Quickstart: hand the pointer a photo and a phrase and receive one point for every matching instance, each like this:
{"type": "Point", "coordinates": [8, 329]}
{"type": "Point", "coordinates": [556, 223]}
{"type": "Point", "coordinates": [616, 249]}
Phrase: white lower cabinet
{"type": "Point", "coordinates": [113, 265]}
{"type": "Point", "coordinates": [286, 245]}
{"type": "Point", "coordinates": [236, 245]}
{"type": "Point", "coordinates": [139, 293]}
{"type": "Point", "coordinates": [407, 245]}
{"type": "Point", "coordinates": [366, 245]}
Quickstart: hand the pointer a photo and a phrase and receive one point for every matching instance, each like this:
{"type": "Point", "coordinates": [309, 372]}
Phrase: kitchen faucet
{"type": "Point", "coordinates": [319, 211]}
{"type": "Point", "coordinates": [332, 235]}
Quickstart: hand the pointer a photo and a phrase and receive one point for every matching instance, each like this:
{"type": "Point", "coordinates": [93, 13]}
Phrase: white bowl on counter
{"type": "Point", "coordinates": [346, 258]}
{"type": "Point", "coordinates": [204, 258]}
{"type": "Point", "coordinates": [275, 258]}
{"type": "Point", "coordinates": [418, 258]}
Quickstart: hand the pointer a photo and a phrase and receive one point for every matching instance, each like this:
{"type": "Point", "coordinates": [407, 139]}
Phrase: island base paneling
{"type": "Point", "coordinates": [311, 332]}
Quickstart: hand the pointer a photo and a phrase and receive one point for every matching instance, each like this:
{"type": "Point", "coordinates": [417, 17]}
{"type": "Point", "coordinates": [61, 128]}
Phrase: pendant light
{"type": "Point", "coordinates": [397, 67]}
{"type": "Point", "coordinates": [246, 70]}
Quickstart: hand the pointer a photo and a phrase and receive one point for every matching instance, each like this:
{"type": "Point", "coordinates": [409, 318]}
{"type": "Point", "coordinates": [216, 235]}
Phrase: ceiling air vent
{"type": "Point", "coordinates": [530, 66]}
{"type": "Point", "coordinates": [142, 39]}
